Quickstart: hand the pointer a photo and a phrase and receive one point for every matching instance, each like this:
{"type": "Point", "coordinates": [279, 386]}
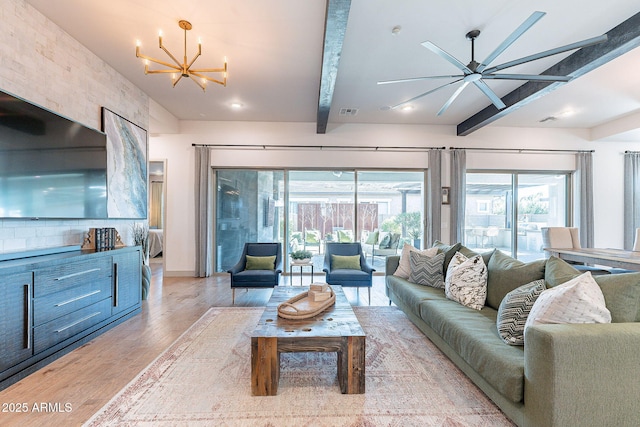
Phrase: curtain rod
{"type": "Point", "coordinates": [520, 150]}
{"type": "Point", "coordinates": [316, 147]}
{"type": "Point", "coordinates": [631, 152]}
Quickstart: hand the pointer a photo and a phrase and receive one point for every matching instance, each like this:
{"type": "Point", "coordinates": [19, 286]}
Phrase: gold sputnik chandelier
{"type": "Point", "coordinates": [180, 70]}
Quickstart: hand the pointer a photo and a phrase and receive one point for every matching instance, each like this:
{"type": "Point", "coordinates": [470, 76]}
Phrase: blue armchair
{"type": "Point", "coordinates": [259, 275]}
{"type": "Point", "coordinates": [351, 276]}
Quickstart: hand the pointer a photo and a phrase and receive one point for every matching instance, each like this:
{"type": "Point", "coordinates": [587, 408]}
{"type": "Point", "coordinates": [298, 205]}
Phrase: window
{"type": "Point", "coordinates": [508, 210]}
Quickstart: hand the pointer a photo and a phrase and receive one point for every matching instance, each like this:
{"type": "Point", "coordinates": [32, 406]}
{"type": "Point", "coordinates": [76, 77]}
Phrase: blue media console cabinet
{"type": "Point", "coordinates": [54, 301]}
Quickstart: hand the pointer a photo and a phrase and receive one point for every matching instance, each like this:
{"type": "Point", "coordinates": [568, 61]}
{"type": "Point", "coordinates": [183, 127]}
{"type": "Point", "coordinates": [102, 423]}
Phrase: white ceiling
{"type": "Point", "coordinates": [274, 49]}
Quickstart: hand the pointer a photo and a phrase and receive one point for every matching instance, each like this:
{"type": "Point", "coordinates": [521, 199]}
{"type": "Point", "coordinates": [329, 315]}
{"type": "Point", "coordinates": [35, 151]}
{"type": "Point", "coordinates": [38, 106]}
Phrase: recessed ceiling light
{"type": "Point", "coordinates": [406, 108]}
{"type": "Point", "coordinates": [236, 105]}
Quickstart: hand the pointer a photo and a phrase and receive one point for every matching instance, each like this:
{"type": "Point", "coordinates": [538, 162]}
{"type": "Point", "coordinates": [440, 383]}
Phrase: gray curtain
{"type": "Point", "coordinates": [631, 197]}
{"type": "Point", "coordinates": [203, 217]}
{"type": "Point", "coordinates": [457, 194]}
{"type": "Point", "coordinates": [584, 171]}
{"type": "Point", "coordinates": [434, 202]}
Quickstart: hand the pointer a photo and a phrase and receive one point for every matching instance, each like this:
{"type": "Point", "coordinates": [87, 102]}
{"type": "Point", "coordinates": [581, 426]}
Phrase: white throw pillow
{"type": "Point", "coordinates": [579, 300]}
{"type": "Point", "coordinates": [466, 281]}
{"type": "Point", "coordinates": [404, 266]}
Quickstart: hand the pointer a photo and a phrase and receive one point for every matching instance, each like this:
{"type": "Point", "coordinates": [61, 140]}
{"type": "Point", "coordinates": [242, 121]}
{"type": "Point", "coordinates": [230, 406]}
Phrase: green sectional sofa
{"type": "Point", "coordinates": [565, 374]}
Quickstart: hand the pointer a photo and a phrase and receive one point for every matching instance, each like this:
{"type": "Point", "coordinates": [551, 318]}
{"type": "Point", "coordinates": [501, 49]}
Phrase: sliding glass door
{"type": "Point", "coordinates": [508, 210]}
{"type": "Point", "coordinates": [305, 209]}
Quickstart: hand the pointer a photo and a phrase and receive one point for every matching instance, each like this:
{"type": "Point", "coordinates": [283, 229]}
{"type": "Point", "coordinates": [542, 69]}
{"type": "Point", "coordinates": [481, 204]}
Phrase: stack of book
{"type": "Point", "coordinates": [104, 238]}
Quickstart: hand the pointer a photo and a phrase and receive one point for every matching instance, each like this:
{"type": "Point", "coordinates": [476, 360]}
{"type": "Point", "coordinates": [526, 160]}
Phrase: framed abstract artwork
{"type": "Point", "coordinates": [126, 167]}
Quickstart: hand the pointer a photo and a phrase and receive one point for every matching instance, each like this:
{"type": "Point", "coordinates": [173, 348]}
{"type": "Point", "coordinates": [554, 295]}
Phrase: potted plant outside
{"type": "Point", "coordinates": [301, 256]}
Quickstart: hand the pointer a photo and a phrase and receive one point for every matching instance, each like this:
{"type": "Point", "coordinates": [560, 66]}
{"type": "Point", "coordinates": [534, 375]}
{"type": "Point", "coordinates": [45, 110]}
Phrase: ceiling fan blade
{"type": "Point", "coordinates": [425, 94]}
{"type": "Point", "coordinates": [490, 94]}
{"type": "Point", "coordinates": [446, 56]}
{"type": "Point", "coordinates": [386, 82]}
{"type": "Point", "coordinates": [528, 23]}
{"type": "Point", "coordinates": [452, 98]}
{"type": "Point", "coordinates": [550, 52]}
{"type": "Point", "coordinates": [532, 77]}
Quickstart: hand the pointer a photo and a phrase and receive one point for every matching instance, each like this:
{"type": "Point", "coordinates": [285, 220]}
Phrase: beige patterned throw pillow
{"type": "Point", "coordinates": [404, 267]}
{"type": "Point", "coordinates": [466, 281]}
{"type": "Point", "coordinates": [579, 300]}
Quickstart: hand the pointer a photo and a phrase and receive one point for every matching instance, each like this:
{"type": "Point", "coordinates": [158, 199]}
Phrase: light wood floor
{"type": "Point", "coordinates": [77, 385]}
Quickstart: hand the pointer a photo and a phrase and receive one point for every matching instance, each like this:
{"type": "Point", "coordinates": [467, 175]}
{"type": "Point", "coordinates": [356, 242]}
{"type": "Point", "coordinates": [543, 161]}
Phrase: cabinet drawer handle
{"type": "Point", "coordinates": [60, 304]}
{"type": "Point", "coordinates": [77, 321]}
{"type": "Point", "coordinates": [79, 273]}
{"type": "Point", "coordinates": [28, 315]}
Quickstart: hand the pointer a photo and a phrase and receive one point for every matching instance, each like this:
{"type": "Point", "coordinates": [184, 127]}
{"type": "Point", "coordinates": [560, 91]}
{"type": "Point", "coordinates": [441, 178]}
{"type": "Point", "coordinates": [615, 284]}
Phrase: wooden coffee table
{"type": "Point", "coordinates": [336, 329]}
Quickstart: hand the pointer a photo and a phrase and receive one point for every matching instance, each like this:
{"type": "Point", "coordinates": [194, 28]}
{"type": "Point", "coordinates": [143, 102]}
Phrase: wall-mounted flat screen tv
{"type": "Point", "coordinates": [50, 166]}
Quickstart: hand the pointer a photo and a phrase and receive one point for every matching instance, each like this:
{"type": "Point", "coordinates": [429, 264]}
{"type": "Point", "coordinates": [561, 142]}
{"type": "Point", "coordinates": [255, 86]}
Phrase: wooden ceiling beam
{"type": "Point", "coordinates": [335, 26]}
{"type": "Point", "coordinates": [621, 40]}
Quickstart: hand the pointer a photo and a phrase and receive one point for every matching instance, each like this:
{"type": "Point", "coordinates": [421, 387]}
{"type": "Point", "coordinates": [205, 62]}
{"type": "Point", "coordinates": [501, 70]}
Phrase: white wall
{"type": "Point", "coordinates": [44, 65]}
{"type": "Point", "coordinates": [178, 151]}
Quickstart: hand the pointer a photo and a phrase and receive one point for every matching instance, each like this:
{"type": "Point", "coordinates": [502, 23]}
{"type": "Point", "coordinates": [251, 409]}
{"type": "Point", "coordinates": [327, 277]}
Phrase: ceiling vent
{"type": "Point", "coordinates": [348, 111]}
{"type": "Point", "coordinates": [548, 119]}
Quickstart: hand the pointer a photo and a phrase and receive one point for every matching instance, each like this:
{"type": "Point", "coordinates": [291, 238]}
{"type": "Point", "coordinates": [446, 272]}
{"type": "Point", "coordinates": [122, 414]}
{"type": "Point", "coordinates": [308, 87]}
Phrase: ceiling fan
{"type": "Point", "coordinates": [476, 72]}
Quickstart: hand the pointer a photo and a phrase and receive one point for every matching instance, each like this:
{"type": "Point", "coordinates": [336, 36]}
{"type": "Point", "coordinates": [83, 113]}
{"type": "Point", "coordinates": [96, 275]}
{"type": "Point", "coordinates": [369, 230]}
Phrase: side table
{"type": "Point", "coordinates": [301, 265]}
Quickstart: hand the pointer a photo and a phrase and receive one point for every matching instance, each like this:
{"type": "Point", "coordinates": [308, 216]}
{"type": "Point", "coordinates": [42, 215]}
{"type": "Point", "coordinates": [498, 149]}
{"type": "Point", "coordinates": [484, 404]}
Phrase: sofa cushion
{"type": "Point", "coordinates": [507, 273]}
{"type": "Point", "coordinates": [621, 291]}
{"type": "Point", "coordinates": [558, 271]}
{"type": "Point", "coordinates": [486, 256]}
{"type": "Point", "coordinates": [579, 300]}
{"type": "Point", "coordinates": [260, 262]}
{"type": "Point", "coordinates": [412, 294]}
{"type": "Point", "coordinates": [254, 278]}
{"type": "Point", "coordinates": [474, 336]}
{"type": "Point", "coordinates": [385, 242]}
{"type": "Point", "coordinates": [448, 250]}
{"type": "Point", "coordinates": [621, 295]}
{"type": "Point", "coordinates": [514, 310]}
{"type": "Point", "coordinates": [372, 238]}
{"type": "Point", "coordinates": [404, 267]}
{"type": "Point", "coordinates": [466, 281]}
{"type": "Point", "coordinates": [426, 270]}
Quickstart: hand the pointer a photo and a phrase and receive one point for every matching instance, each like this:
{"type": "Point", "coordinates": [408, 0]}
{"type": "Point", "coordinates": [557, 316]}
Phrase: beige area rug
{"type": "Point", "coordinates": [203, 379]}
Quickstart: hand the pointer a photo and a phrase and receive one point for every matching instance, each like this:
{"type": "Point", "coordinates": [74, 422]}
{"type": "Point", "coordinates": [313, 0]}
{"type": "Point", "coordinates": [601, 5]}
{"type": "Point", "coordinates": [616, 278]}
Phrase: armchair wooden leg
{"type": "Point", "coordinates": [233, 296]}
{"type": "Point", "coordinates": [369, 289]}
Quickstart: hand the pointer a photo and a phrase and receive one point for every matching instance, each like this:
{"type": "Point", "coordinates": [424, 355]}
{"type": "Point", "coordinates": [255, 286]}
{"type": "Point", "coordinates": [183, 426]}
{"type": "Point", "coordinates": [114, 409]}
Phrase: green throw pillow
{"type": "Point", "coordinates": [621, 295]}
{"type": "Point", "coordinates": [449, 251]}
{"type": "Point", "coordinates": [486, 256]}
{"type": "Point", "coordinates": [349, 262]}
{"type": "Point", "coordinates": [558, 271]}
{"type": "Point", "coordinates": [260, 262]}
{"type": "Point", "coordinates": [372, 238]}
{"type": "Point", "coordinates": [507, 274]}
